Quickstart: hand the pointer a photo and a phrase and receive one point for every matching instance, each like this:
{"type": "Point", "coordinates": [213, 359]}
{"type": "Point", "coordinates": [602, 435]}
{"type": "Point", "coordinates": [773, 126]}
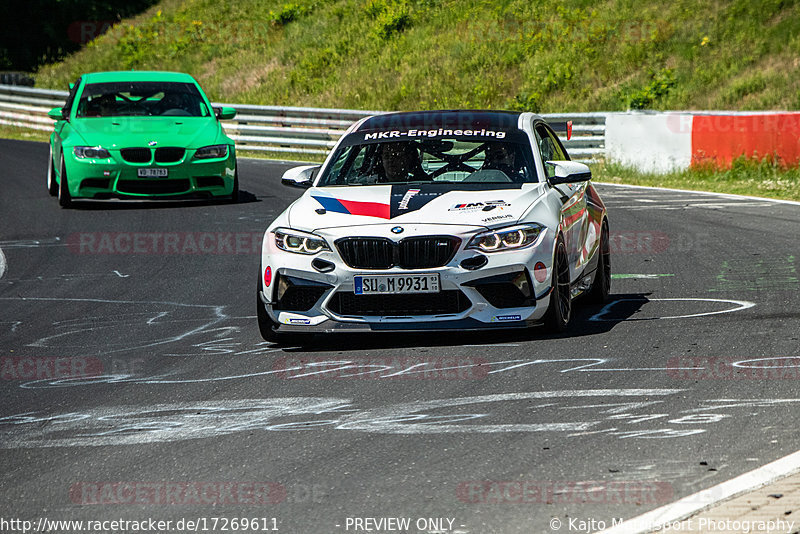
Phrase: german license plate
{"type": "Point", "coordinates": [152, 173]}
{"type": "Point", "coordinates": [392, 284]}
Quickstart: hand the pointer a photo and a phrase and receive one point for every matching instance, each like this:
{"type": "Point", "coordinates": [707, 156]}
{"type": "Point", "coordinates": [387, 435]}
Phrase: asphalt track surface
{"type": "Point", "coordinates": [124, 366]}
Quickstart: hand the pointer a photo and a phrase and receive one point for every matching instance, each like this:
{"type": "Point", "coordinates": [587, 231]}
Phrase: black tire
{"type": "Point", "coordinates": [234, 198]}
{"type": "Point", "coordinates": [52, 186]}
{"type": "Point", "coordinates": [266, 326]}
{"type": "Point", "coordinates": [601, 285]}
{"type": "Point", "coordinates": [559, 311]}
{"type": "Point", "coordinates": [64, 198]}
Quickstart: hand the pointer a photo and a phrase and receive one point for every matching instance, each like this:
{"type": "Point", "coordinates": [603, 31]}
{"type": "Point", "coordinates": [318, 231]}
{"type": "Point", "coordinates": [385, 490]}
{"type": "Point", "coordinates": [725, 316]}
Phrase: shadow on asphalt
{"type": "Point", "coordinates": [588, 320]}
{"type": "Point", "coordinates": [245, 197]}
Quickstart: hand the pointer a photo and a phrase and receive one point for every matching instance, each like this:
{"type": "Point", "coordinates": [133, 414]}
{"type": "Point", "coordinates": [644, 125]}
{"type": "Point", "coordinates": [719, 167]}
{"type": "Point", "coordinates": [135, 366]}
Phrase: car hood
{"type": "Point", "coordinates": [483, 205]}
{"type": "Point", "coordinates": [120, 132]}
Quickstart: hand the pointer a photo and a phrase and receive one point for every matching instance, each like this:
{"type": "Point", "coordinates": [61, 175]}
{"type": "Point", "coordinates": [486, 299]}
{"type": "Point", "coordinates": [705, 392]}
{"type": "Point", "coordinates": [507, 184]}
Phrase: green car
{"type": "Point", "coordinates": [140, 135]}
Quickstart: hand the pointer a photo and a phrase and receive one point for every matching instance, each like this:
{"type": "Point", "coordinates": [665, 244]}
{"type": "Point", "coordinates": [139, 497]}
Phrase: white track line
{"type": "Point", "coordinates": [3, 263]}
{"type": "Point", "coordinates": [726, 195]}
{"type": "Point", "coordinates": [705, 499]}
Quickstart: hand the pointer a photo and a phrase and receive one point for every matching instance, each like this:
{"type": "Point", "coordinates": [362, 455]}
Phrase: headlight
{"type": "Point", "coordinates": [91, 152]}
{"type": "Point", "coordinates": [213, 151]}
{"type": "Point", "coordinates": [299, 242]}
{"type": "Point", "coordinates": [510, 238]}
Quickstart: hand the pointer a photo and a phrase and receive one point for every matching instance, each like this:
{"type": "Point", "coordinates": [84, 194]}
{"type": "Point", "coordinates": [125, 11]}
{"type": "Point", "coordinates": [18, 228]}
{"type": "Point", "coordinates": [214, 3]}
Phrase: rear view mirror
{"type": "Point", "coordinates": [225, 113]}
{"type": "Point", "coordinates": [568, 172]}
{"type": "Point", "coordinates": [299, 176]}
{"type": "Point", "coordinates": [56, 114]}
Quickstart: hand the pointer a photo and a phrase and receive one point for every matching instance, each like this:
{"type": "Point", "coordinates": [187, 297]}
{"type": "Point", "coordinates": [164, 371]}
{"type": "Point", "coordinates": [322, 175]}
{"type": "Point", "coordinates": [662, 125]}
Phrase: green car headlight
{"type": "Point", "coordinates": [213, 151]}
{"type": "Point", "coordinates": [91, 152]}
{"type": "Point", "coordinates": [514, 237]}
{"type": "Point", "coordinates": [299, 242]}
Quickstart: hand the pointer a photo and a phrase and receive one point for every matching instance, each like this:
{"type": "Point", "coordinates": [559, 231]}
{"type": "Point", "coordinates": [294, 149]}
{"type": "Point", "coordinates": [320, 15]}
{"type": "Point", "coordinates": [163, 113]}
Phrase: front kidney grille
{"type": "Point", "coordinates": [169, 154]}
{"type": "Point", "coordinates": [367, 252]}
{"type": "Point", "coordinates": [425, 252]}
{"type": "Point", "coordinates": [410, 253]}
{"type": "Point", "coordinates": [136, 155]}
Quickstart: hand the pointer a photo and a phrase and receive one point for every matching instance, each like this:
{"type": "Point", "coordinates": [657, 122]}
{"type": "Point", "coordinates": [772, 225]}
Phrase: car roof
{"type": "Point", "coordinates": [137, 75]}
{"type": "Point", "coordinates": [452, 118]}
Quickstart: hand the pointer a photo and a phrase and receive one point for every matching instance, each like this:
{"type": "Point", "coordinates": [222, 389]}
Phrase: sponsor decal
{"type": "Point", "coordinates": [353, 207]}
{"type": "Point", "coordinates": [497, 218]}
{"type": "Point", "coordinates": [407, 198]}
{"type": "Point", "coordinates": [500, 318]}
{"type": "Point", "coordinates": [299, 321]}
{"type": "Point", "coordinates": [440, 132]}
{"type": "Point", "coordinates": [484, 206]}
{"type": "Point", "coordinates": [540, 272]}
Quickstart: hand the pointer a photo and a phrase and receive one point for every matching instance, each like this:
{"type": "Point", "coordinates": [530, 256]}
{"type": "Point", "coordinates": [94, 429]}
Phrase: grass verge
{"type": "Point", "coordinates": [544, 56]}
{"type": "Point", "coordinates": [23, 134]}
{"type": "Point", "coordinates": [758, 178]}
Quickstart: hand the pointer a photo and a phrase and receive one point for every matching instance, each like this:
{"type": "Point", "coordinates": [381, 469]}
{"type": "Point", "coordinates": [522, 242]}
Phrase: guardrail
{"type": "Point", "coordinates": [283, 129]}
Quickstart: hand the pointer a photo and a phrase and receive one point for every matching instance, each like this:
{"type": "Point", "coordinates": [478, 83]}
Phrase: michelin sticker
{"type": "Point", "coordinates": [499, 318]}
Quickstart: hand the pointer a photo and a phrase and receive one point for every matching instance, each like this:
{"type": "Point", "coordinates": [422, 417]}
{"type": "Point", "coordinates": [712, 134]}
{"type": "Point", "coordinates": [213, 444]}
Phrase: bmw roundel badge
{"type": "Point", "coordinates": [397, 230]}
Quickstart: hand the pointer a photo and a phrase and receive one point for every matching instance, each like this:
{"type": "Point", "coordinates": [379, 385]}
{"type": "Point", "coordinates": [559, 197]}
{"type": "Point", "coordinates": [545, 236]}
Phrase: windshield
{"type": "Point", "coordinates": [116, 99]}
{"type": "Point", "coordinates": [441, 160]}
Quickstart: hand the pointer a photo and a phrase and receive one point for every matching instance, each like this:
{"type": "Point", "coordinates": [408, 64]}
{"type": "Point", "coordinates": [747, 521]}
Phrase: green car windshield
{"type": "Point", "coordinates": [442, 160]}
{"type": "Point", "coordinates": [121, 99]}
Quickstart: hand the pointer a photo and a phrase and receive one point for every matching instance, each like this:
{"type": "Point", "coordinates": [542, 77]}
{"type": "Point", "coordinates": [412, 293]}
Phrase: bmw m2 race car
{"type": "Point", "coordinates": [140, 135]}
{"type": "Point", "coordinates": [433, 221]}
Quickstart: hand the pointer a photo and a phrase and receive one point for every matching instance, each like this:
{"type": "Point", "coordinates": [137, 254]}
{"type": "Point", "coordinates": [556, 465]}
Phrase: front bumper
{"type": "Point", "coordinates": [116, 178]}
{"type": "Point", "coordinates": [501, 293]}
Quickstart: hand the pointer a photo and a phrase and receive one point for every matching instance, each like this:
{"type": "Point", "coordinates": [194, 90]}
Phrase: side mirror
{"type": "Point", "coordinates": [299, 176]}
{"type": "Point", "coordinates": [56, 114]}
{"type": "Point", "coordinates": [568, 172]}
{"type": "Point", "coordinates": [225, 113]}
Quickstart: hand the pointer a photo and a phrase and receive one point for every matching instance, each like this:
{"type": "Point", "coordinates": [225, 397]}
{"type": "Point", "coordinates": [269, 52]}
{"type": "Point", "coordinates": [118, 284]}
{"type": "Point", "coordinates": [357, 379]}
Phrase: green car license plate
{"type": "Point", "coordinates": [153, 173]}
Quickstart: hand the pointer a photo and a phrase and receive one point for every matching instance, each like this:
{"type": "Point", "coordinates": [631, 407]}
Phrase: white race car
{"type": "Point", "coordinates": [435, 220]}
